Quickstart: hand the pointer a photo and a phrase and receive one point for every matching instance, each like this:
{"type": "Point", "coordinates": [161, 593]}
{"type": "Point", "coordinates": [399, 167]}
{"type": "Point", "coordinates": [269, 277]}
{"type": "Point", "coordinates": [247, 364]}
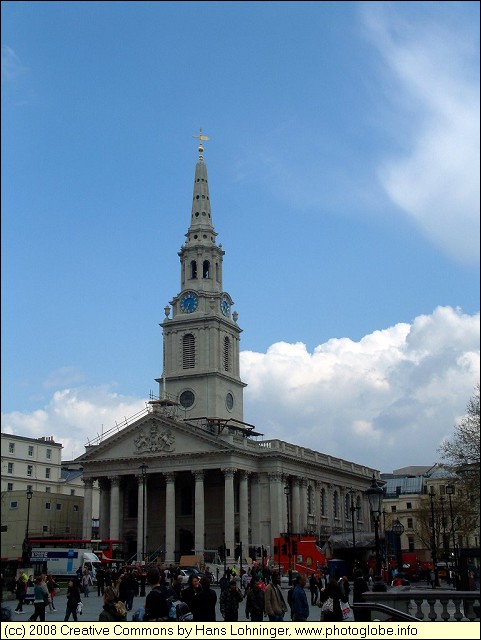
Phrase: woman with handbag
{"type": "Point", "coordinates": [40, 600]}
{"type": "Point", "coordinates": [330, 602]}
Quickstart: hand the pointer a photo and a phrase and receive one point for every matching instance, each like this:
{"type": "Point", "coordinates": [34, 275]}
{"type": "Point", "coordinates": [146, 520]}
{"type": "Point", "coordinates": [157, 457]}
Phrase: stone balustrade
{"type": "Point", "coordinates": [431, 605]}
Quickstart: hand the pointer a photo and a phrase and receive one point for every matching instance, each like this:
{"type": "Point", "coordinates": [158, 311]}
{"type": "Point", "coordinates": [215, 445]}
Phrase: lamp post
{"type": "Point", "coordinates": [434, 552]}
{"type": "Point", "coordinates": [353, 509]}
{"type": "Point", "coordinates": [29, 497]}
{"type": "Point", "coordinates": [143, 468]}
{"type": "Point", "coordinates": [398, 529]}
{"type": "Point", "coordinates": [375, 495]}
{"type": "Point", "coordinates": [450, 492]}
{"type": "Point", "coordinates": [445, 540]}
{"type": "Point", "coordinates": [287, 492]}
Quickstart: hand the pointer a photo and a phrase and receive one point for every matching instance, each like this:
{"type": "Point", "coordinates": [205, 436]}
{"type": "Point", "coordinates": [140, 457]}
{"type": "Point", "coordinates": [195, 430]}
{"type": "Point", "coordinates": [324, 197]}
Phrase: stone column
{"type": "Point", "coordinates": [199, 511]}
{"type": "Point", "coordinates": [114, 507]}
{"type": "Point", "coordinates": [244, 512]}
{"type": "Point", "coordinates": [276, 498]}
{"type": "Point", "coordinates": [104, 508]}
{"type": "Point", "coordinates": [169, 518]}
{"type": "Point", "coordinates": [141, 516]}
{"type": "Point", "coordinates": [303, 505]}
{"type": "Point", "coordinates": [87, 514]}
{"type": "Point", "coordinates": [255, 510]}
{"type": "Point", "coordinates": [229, 531]}
{"type": "Point", "coordinates": [296, 503]}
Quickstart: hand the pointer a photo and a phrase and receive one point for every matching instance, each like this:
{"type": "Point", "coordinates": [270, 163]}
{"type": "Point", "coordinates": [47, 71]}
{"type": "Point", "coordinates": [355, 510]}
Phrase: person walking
{"type": "Point", "coordinates": [20, 591]}
{"type": "Point", "coordinates": [230, 599]}
{"type": "Point", "coordinates": [359, 587]}
{"type": "Point", "coordinates": [73, 599]}
{"type": "Point", "coordinates": [300, 608]}
{"type": "Point", "coordinates": [156, 607]}
{"type": "Point", "coordinates": [100, 577]}
{"type": "Point", "coordinates": [313, 588]}
{"type": "Point", "coordinates": [113, 610]}
{"type": "Point", "coordinates": [190, 595]}
{"type": "Point", "coordinates": [330, 602]}
{"type": "Point", "coordinates": [51, 586]}
{"type": "Point", "coordinates": [255, 602]}
{"type": "Point", "coordinates": [206, 600]}
{"type": "Point", "coordinates": [40, 600]}
{"type": "Point", "coordinates": [275, 605]}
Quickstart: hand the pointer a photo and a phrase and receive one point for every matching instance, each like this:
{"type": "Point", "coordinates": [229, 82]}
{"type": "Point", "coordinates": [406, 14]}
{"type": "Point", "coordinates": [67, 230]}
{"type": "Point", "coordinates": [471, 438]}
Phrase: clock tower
{"type": "Point", "coordinates": [201, 338]}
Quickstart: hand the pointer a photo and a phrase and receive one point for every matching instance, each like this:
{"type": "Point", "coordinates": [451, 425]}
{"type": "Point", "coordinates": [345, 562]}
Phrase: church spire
{"type": "Point", "coordinates": [201, 230]}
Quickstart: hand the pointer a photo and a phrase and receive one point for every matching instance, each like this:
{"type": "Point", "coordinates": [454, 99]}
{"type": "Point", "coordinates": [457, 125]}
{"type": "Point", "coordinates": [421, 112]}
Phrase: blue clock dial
{"type": "Point", "coordinates": [225, 306]}
{"type": "Point", "coordinates": [189, 302]}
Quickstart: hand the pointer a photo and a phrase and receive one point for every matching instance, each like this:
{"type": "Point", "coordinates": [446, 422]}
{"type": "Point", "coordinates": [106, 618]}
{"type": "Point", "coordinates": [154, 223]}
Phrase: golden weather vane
{"type": "Point", "coordinates": [201, 139]}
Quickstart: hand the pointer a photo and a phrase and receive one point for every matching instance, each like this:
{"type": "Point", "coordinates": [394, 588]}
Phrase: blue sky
{"type": "Point", "coordinates": [343, 165]}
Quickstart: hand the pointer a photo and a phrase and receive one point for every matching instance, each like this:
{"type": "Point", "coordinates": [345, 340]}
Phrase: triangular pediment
{"type": "Point", "coordinates": [155, 436]}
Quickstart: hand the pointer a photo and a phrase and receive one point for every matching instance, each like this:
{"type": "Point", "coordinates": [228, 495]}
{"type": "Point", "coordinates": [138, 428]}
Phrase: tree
{"type": "Point", "coordinates": [461, 453]}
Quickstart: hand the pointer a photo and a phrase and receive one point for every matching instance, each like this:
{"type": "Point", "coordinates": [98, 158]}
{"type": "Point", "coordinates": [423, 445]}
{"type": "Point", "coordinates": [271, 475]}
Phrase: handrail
{"type": "Point", "coordinates": [375, 606]}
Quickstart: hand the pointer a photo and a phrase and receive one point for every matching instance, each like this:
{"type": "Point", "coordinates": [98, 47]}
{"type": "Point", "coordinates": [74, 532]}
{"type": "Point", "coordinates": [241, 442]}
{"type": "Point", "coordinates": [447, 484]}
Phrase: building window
{"type": "Point", "coordinates": [187, 399]}
{"type": "Point", "coordinates": [186, 501]}
{"type": "Point", "coordinates": [411, 543]}
{"type": "Point", "coordinates": [309, 500]}
{"type": "Point", "coordinates": [30, 451]}
{"type": "Point", "coordinates": [442, 490]}
{"type": "Point", "coordinates": [335, 504]}
{"type": "Point", "coordinates": [4, 528]}
{"type": "Point", "coordinates": [227, 354]}
{"type": "Point", "coordinates": [49, 454]}
{"type": "Point", "coordinates": [347, 506]}
{"type": "Point", "coordinates": [29, 470]}
{"type": "Point", "coordinates": [45, 528]}
{"type": "Point", "coordinates": [188, 351]}
{"type": "Point", "coordinates": [72, 492]}
{"type": "Point", "coordinates": [47, 505]}
{"type": "Point", "coordinates": [206, 269]}
{"type": "Point", "coordinates": [358, 508]}
{"type": "Point", "coordinates": [59, 506]}
{"type": "Point", "coordinates": [30, 487]}
{"type": "Point", "coordinates": [67, 529]}
{"type": "Point", "coordinates": [10, 467]}
{"type": "Point", "coordinates": [410, 523]}
{"type": "Point", "coordinates": [393, 508]}
{"type": "Point", "coordinates": [11, 447]}
{"type": "Point", "coordinates": [47, 472]}
{"type": "Point", "coordinates": [13, 504]}
{"type": "Point", "coordinates": [75, 507]}
{"type": "Point", "coordinates": [193, 270]}
{"type": "Point", "coordinates": [10, 486]}
{"type": "Point", "coordinates": [409, 505]}
{"type": "Point", "coordinates": [47, 489]}
{"type": "Point", "coordinates": [323, 502]}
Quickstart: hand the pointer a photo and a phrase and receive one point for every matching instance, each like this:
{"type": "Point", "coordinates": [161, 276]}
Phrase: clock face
{"type": "Point", "coordinates": [225, 306]}
{"type": "Point", "coordinates": [189, 302]}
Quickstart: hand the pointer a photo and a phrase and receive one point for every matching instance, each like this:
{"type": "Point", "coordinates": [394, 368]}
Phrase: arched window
{"type": "Point", "coordinates": [193, 269]}
{"type": "Point", "coordinates": [217, 271]}
{"type": "Point", "coordinates": [206, 269]}
{"type": "Point", "coordinates": [227, 354]}
{"type": "Point", "coordinates": [309, 499]}
{"type": "Point", "coordinates": [188, 351]}
{"type": "Point", "coordinates": [335, 504]}
{"type": "Point", "coordinates": [323, 502]}
{"type": "Point", "coordinates": [358, 508]}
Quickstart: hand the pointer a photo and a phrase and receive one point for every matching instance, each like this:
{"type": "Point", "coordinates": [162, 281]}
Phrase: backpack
{"type": "Point", "coordinates": [178, 610]}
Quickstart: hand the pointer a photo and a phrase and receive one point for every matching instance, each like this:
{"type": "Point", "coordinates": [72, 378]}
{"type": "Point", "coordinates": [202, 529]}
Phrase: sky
{"type": "Point", "coordinates": [343, 163]}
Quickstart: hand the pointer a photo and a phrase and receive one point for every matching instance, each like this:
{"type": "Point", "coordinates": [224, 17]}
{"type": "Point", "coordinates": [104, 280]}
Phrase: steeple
{"type": "Point", "coordinates": [201, 338]}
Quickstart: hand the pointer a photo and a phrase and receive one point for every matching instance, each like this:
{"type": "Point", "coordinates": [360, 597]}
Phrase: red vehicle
{"type": "Point", "coordinates": [106, 550]}
{"type": "Point", "coordinates": [298, 553]}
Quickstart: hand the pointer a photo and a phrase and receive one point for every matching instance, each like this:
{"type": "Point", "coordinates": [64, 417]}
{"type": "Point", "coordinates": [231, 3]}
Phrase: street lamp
{"type": "Point", "coordinates": [29, 497]}
{"type": "Point", "coordinates": [375, 495]}
{"type": "Point", "coordinates": [287, 492]}
{"type": "Point", "coordinates": [450, 492]}
{"type": "Point", "coordinates": [353, 509]}
{"type": "Point", "coordinates": [434, 552]}
{"type": "Point", "coordinates": [143, 468]}
{"type": "Point", "coordinates": [398, 529]}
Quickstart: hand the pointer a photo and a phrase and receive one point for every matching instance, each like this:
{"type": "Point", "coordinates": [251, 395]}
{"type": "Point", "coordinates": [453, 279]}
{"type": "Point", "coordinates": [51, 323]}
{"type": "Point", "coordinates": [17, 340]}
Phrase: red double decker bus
{"type": "Point", "coordinates": [106, 550]}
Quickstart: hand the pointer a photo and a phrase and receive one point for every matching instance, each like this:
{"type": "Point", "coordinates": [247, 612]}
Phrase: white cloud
{"type": "Point", "coordinates": [11, 65]}
{"type": "Point", "coordinates": [433, 83]}
{"type": "Point", "coordinates": [386, 401]}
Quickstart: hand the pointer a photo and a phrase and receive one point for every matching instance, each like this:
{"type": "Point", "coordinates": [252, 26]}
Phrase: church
{"type": "Point", "coordinates": [187, 474]}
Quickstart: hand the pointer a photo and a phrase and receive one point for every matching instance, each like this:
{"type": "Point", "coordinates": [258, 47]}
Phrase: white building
{"type": "Point", "coordinates": [189, 474]}
{"type": "Point", "coordinates": [56, 505]}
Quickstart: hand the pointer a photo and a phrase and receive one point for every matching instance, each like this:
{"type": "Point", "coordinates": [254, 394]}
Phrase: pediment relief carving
{"type": "Point", "coordinates": [154, 439]}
